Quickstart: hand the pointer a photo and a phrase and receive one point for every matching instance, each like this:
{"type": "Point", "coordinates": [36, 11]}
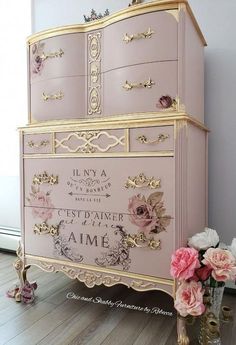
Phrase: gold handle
{"type": "Point", "coordinates": [161, 137]}
{"type": "Point", "coordinates": [146, 34]}
{"type": "Point", "coordinates": [46, 56]}
{"type": "Point", "coordinates": [141, 241]}
{"type": "Point", "coordinates": [45, 178]}
{"type": "Point", "coordinates": [53, 97]}
{"type": "Point", "coordinates": [44, 229]}
{"type": "Point", "coordinates": [42, 143]}
{"type": "Point", "coordinates": [146, 84]}
{"type": "Point", "coordinates": [141, 181]}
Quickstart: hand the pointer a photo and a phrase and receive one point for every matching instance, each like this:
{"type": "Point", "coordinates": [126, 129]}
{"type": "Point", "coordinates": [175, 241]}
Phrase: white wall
{"type": "Point", "coordinates": [217, 20]}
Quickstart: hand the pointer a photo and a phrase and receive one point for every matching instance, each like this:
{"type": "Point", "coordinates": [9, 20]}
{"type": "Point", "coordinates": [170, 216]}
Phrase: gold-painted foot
{"type": "Point", "coordinates": [183, 338]}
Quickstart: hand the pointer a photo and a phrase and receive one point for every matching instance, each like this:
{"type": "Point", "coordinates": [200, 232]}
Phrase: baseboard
{"type": "Point", "coordinates": [9, 239]}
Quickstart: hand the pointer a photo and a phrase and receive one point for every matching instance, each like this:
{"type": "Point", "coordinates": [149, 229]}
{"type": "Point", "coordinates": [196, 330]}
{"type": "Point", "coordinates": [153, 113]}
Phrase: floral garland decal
{"type": "Point", "coordinates": [149, 216]}
{"type": "Point", "coordinates": [37, 62]}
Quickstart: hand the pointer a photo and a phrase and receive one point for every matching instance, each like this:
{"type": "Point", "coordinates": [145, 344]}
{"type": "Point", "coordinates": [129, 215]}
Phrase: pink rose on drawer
{"type": "Point", "coordinates": [189, 299]}
{"type": "Point", "coordinates": [42, 206]}
{"type": "Point", "coordinates": [184, 262]}
{"type": "Point", "coordinates": [37, 60]}
{"type": "Point", "coordinates": [148, 215]}
{"type": "Point", "coordinates": [222, 263]}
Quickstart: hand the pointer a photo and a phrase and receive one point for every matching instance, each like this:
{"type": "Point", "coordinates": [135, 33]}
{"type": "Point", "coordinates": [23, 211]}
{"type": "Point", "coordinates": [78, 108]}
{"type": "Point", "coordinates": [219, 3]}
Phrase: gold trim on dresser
{"type": "Point", "coordinates": [87, 138]}
{"type": "Point", "coordinates": [94, 71]}
{"type": "Point", "coordinates": [42, 143]}
{"type": "Point", "coordinates": [44, 229]}
{"type": "Point", "coordinates": [46, 56]}
{"type": "Point", "coordinates": [160, 5]}
{"type": "Point", "coordinates": [52, 97]}
{"type": "Point", "coordinates": [141, 241]}
{"type": "Point", "coordinates": [130, 37]}
{"type": "Point", "coordinates": [45, 178]}
{"type": "Point", "coordinates": [141, 181]}
{"type": "Point", "coordinates": [146, 85]}
{"type": "Point", "coordinates": [142, 139]}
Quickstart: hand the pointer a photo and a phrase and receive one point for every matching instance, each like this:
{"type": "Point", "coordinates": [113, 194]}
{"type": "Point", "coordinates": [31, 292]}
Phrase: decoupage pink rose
{"type": "Point", "coordinates": [189, 299]}
{"type": "Point", "coordinates": [142, 213]}
{"type": "Point", "coordinates": [184, 262]}
{"type": "Point", "coordinates": [42, 206]}
{"type": "Point", "coordinates": [222, 263]}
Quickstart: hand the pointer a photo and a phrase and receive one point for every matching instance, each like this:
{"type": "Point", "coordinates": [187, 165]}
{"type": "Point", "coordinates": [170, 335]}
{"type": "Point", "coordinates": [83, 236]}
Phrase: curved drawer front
{"type": "Point", "coordinates": [102, 212]}
{"type": "Point", "coordinates": [100, 141]}
{"type": "Point", "coordinates": [59, 56]}
{"type": "Point", "coordinates": [37, 143]}
{"type": "Point", "coordinates": [146, 38]}
{"type": "Point", "coordinates": [61, 98]}
{"type": "Point", "coordinates": [138, 88]}
{"type": "Point", "coordinates": [152, 139]}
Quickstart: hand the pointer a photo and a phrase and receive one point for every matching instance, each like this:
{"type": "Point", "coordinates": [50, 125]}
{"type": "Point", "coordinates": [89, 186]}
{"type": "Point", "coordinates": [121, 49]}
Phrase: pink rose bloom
{"type": "Point", "coordinates": [142, 213]}
{"type": "Point", "coordinates": [222, 263]}
{"type": "Point", "coordinates": [184, 262]}
{"type": "Point", "coordinates": [189, 299]}
{"type": "Point", "coordinates": [42, 206]}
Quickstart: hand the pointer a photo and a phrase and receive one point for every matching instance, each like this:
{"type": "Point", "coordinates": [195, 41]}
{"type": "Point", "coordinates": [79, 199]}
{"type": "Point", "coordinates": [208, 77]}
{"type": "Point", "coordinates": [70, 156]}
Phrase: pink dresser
{"type": "Point", "coordinates": [114, 157]}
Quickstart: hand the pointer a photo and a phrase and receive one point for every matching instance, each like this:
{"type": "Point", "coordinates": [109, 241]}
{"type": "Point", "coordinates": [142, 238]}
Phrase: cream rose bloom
{"type": "Point", "coordinates": [204, 240]}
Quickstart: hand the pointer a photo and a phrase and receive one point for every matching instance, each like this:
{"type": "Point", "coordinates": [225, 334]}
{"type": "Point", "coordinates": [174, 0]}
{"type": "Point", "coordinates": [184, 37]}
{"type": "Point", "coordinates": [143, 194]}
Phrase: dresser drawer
{"type": "Point", "coordinates": [37, 143]}
{"type": "Point", "coordinates": [125, 43]}
{"type": "Point", "coordinates": [59, 56]}
{"type": "Point", "coordinates": [61, 98]}
{"type": "Point", "coordinates": [97, 183]}
{"type": "Point", "coordinates": [152, 139]}
{"type": "Point", "coordinates": [100, 141]}
{"type": "Point", "coordinates": [138, 88]}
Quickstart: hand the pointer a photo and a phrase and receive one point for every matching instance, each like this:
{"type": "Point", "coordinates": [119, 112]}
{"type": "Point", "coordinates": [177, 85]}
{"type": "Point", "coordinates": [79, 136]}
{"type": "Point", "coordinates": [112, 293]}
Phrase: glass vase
{"type": "Point", "coordinates": [210, 321]}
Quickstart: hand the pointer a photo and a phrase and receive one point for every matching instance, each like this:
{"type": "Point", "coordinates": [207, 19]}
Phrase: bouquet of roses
{"type": "Point", "coordinates": [201, 264]}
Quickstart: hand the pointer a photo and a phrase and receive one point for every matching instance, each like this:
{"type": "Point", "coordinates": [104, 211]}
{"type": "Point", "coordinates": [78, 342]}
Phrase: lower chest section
{"type": "Point", "coordinates": [106, 212]}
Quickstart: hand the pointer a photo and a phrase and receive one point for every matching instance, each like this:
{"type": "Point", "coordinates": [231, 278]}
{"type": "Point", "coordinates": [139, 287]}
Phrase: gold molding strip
{"type": "Point", "coordinates": [160, 5]}
{"type": "Point", "coordinates": [100, 155]}
{"type": "Point", "coordinates": [127, 140]}
{"type": "Point", "coordinates": [153, 279]}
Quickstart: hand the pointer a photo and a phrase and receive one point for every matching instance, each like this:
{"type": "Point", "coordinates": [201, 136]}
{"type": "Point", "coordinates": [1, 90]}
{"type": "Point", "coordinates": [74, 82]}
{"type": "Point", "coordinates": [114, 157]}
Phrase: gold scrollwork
{"type": "Point", "coordinates": [161, 137]}
{"type": "Point", "coordinates": [146, 84]}
{"type": "Point", "coordinates": [45, 178]}
{"type": "Point", "coordinates": [42, 143]}
{"type": "Point", "coordinates": [46, 56]}
{"type": "Point", "coordinates": [141, 181]}
{"type": "Point", "coordinates": [141, 241]}
{"type": "Point", "coordinates": [52, 97]}
{"type": "Point", "coordinates": [44, 229]}
{"type": "Point", "coordinates": [146, 34]}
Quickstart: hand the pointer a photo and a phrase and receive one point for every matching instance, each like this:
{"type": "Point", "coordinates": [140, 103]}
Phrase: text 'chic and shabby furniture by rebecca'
{"type": "Point", "coordinates": [114, 157]}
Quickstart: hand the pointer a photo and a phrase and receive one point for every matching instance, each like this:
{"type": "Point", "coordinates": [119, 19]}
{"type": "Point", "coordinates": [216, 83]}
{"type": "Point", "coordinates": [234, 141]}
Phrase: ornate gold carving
{"type": "Point", "coordinates": [146, 84]}
{"type": "Point", "coordinates": [46, 56]}
{"type": "Point", "coordinates": [44, 229]}
{"type": "Point", "coordinates": [42, 143]}
{"type": "Point", "coordinates": [141, 285]}
{"type": "Point", "coordinates": [52, 97]}
{"type": "Point", "coordinates": [94, 70]}
{"type": "Point", "coordinates": [141, 181]}
{"type": "Point", "coordinates": [21, 270]}
{"type": "Point", "coordinates": [141, 241]}
{"type": "Point", "coordinates": [161, 137]}
{"type": "Point", "coordinates": [87, 139]}
{"type": "Point", "coordinates": [183, 338]}
{"type": "Point", "coordinates": [146, 34]}
{"type": "Point", "coordinates": [45, 178]}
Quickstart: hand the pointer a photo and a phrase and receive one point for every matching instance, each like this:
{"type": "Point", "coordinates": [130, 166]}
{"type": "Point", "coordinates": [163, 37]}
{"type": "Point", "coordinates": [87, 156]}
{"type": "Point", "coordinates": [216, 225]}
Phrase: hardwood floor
{"type": "Point", "coordinates": [54, 319]}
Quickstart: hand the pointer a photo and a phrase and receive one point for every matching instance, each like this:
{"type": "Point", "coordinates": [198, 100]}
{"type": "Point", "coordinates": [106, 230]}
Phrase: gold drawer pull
{"type": "Point", "coordinates": [146, 34]}
{"type": "Point", "coordinates": [44, 229]}
{"type": "Point", "coordinates": [141, 241]}
{"type": "Point", "coordinates": [45, 178]}
{"type": "Point", "coordinates": [146, 84]}
{"type": "Point", "coordinates": [42, 143]}
{"type": "Point", "coordinates": [52, 97]}
{"type": "Point", "coordinates": [161, 137]}
{"type": "Point", "coordinates": [46, 56]}
{"type": "Point", "coordinates": [141, 181]}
